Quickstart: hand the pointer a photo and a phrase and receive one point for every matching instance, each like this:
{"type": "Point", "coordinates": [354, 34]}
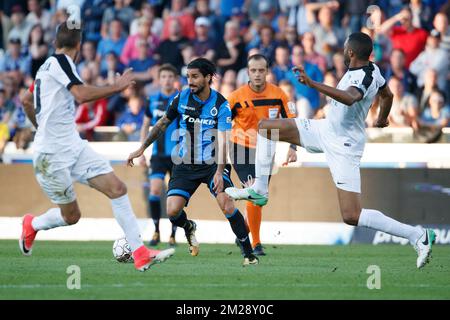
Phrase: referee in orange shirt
{"type": "Point", "coordinates": [250, 103]}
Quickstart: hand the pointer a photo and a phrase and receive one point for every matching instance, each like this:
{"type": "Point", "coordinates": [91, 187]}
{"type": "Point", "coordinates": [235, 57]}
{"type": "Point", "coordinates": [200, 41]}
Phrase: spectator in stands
{"type": "Point", "coordinates": [92, 12]}
{"type": "Point", "coordinates": [355, 13]}
{"type": "Point", "coordinates": [21, 27]}
{"type": "Point", "coordinates": [267, 43]}
{"type": "Point", "coordinates": [88, 56]}
{"type": "Point", "coordinates": [130, 122]}
{"type": "Point", "coordinates": [169, 51]}
{"type": "Point", "coordinates": [91, 114]}
{"type": "Point", "coordinates": [6, 110]}
{"type": "Point", "coordinates": [329, 37]}
{"type": "Point", "coordinates": [436, 113]}
{"type": "Point", "coordinates": [282, 63]}
{"type": "Point", "coordinates": [397, 68]}
{"type": "Point", "coordinates": [432, 57]}
{"type": "Point", "coordinates": [115, 42]}
{"type": "Point", "coordinates": [130, 50]}
{"type": "Point", "coordinates": [203, 45]}
{"type": "Point", "coordinates": [290, 37]}
{"type": "Point", "coordinates": [339, 68]}
{"type": "Point", "coordinates": [215, 30]}
{"type": "Point", "coordinates": [228, 83]}
{"type": "Point", "coordinates": [311, 55]}
{"type": "Point", "coordinates": [258, 8]}
{"type": "Point", "coordinates": [325, 101]}
{"type": "Point", "coordinates": [289, 90]}
{"type": "Point", "coordinates": [231, 51]}
{"type": "Point", "coordinates": [421, 14]}
{"type": "Point", "coordinates": [113, 66]}
{"type": "Point", "coordinates": [5, 27]}
{"type": "Point", "coordinates": [37, 48]}
{"type": "Point", "coordinates": [22, 127]}
{"type": "Point", "coordinates": [406, 37]}
{"type": "Point", "coordinates": [309, 98]}
{"type": "Point", "coordinates": [120, 11]}
{"type": "Point", "coordinates": [13, 64]}
{"type": "Point", "coordinates": [180, 13]}
{"type": "Point", "coordinates": [143, 64]}
{"type": "Point", "coordinates": [147, 11]}
{"type": "Point", "coordinates": [429, 85]}
{"type": "Point", "coordinates": [440, 23]}
{"type": "Point", "coordinates": [39, 15]}
{"type": "Point", "coordinates": [404, 110]}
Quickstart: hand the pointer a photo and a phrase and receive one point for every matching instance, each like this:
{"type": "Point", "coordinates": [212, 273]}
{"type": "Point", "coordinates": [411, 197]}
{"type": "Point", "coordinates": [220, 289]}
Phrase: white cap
{"type": "Point", "coordinates": [202, 21]}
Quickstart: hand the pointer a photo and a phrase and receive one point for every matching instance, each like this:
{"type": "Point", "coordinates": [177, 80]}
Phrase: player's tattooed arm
{"type": "Point", "coordinates": [28, 106]}
{"type": "Point", "coordinates": [157, 130]}
{"type": "Point", "coordinates": [385, 102]}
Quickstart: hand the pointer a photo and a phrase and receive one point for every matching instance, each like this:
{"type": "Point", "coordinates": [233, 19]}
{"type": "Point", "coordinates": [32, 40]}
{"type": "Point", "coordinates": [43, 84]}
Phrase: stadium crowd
{"type": "Point", "coordinates": [411, 46]}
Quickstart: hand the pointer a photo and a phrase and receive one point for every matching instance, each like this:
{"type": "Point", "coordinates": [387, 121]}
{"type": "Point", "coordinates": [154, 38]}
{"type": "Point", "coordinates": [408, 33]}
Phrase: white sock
{"type": "Point", "coordinates": [265, 151]}
{"type": "Point", "coordinates": [374, 219]}
{"type": "Point", "coordinates": [127, 220]}
{"type": "Point", "coordinates": [49, 220]}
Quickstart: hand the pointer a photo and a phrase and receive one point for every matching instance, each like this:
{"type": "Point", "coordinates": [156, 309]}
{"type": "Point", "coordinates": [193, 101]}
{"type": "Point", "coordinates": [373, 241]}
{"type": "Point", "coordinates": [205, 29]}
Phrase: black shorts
{"type": "Point", "coordinates": [186, 178]}
{"type": "Point", "coordinates": [243, 162]}
{"type": "Point", "coordinates": [159, 166]}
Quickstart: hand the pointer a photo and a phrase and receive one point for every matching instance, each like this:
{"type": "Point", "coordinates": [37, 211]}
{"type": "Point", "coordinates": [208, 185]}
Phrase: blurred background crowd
{"type": "Point", "coordinates": [411, 46]}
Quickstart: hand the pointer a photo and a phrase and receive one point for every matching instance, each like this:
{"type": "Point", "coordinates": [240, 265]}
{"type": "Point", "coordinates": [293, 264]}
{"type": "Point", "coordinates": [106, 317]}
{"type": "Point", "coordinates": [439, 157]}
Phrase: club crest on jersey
{"type": "Point", "coordinates": [214, 111]}
{"type": "Point", "coordinates": [189, 119]}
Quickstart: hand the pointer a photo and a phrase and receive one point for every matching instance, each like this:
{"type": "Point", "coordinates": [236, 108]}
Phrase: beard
{"type": "Point", "coordinates": [197, 90]}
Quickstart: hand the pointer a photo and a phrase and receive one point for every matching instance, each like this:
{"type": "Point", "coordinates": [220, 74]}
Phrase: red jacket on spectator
{"type": "Point", "coordinates": [87, 118]}
{"type": "Point", "coordinates": [412, 43]}
{"type": "Point", "coordinates": [187, 26]}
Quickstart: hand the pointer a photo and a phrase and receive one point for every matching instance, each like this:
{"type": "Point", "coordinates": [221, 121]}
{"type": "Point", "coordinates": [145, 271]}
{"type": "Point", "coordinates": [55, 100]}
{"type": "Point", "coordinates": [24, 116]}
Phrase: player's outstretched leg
{"type": "Point", "coordinates": [269, 131]}
{"type": "Point", "coordinates": [66, 214]}
{"type": "Point", "coordinates": [115, 189]}
{"type": "Point", "coordinates": [178, 217]}
{"type": "Point", "coordinates": [353, 214]}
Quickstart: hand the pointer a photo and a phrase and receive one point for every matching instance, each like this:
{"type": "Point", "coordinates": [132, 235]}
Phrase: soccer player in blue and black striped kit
{"type": "Point", "coordinates": [204, 119]}
{"type": "Point", "coordinates": [161, 161]}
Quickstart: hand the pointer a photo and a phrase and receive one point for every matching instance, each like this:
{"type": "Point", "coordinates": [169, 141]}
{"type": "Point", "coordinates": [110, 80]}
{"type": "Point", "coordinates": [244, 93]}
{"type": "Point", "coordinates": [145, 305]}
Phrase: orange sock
{"type": "Point", "coordinates": [254, 215]}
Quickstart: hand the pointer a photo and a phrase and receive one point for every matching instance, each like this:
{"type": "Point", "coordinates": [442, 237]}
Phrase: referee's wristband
{"type": "Point", "coordinates": [293, 146]}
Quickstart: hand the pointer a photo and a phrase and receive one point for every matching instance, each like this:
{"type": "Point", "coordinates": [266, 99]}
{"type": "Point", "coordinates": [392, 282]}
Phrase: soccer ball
{"type": "Point", "coordinates": [122, 250]}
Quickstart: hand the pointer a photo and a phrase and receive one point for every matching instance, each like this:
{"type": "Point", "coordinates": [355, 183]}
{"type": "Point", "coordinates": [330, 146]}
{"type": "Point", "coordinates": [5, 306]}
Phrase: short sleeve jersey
{"type": "Point", "coordinates": [198, 123]}
{"type": "Point", "coordinates": [55, 106]}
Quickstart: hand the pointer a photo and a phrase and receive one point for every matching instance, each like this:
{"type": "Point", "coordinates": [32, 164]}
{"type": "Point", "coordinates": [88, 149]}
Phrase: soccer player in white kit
{"type": "Point", "coordinates": [61, 156]}
{"type": "Point", "coordinates": [342, 138]}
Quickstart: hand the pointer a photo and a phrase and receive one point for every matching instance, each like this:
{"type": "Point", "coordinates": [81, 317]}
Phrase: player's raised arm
{"type": "Point", "coordinates": [84, 93]}
{"type": "Point", "coordinates": [347, 97]}
{"type": "Point", "coordinates": [385, 102]}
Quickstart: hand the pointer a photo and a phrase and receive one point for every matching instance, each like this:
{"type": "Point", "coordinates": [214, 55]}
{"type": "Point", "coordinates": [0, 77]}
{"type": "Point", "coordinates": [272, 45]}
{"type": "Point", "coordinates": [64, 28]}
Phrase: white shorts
{"type": "Point", "coordinates": [344, 166]}
{"type": "Point", "coordinates": [56, 172]}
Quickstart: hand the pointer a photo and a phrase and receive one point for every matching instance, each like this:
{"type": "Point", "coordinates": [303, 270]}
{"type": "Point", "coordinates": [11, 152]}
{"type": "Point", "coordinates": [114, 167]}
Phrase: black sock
{"type": "Point", "coordinates": [174, 230]}
{"type": "Point", "coordinates": [180, 220]}
{"type": "Point", "coordinates": [237, 224]}
{"type": "Point", "coordinates": [155, 210]}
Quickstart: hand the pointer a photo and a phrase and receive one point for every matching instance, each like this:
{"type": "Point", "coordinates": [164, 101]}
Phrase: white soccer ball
{"type": "Point", "coordinates": [122, 250]}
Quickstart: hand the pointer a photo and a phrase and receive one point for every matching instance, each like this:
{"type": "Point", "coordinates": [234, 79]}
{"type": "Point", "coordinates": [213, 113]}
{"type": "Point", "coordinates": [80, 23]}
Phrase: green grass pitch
{"type": "Point", "coordinates": [287, 272]}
